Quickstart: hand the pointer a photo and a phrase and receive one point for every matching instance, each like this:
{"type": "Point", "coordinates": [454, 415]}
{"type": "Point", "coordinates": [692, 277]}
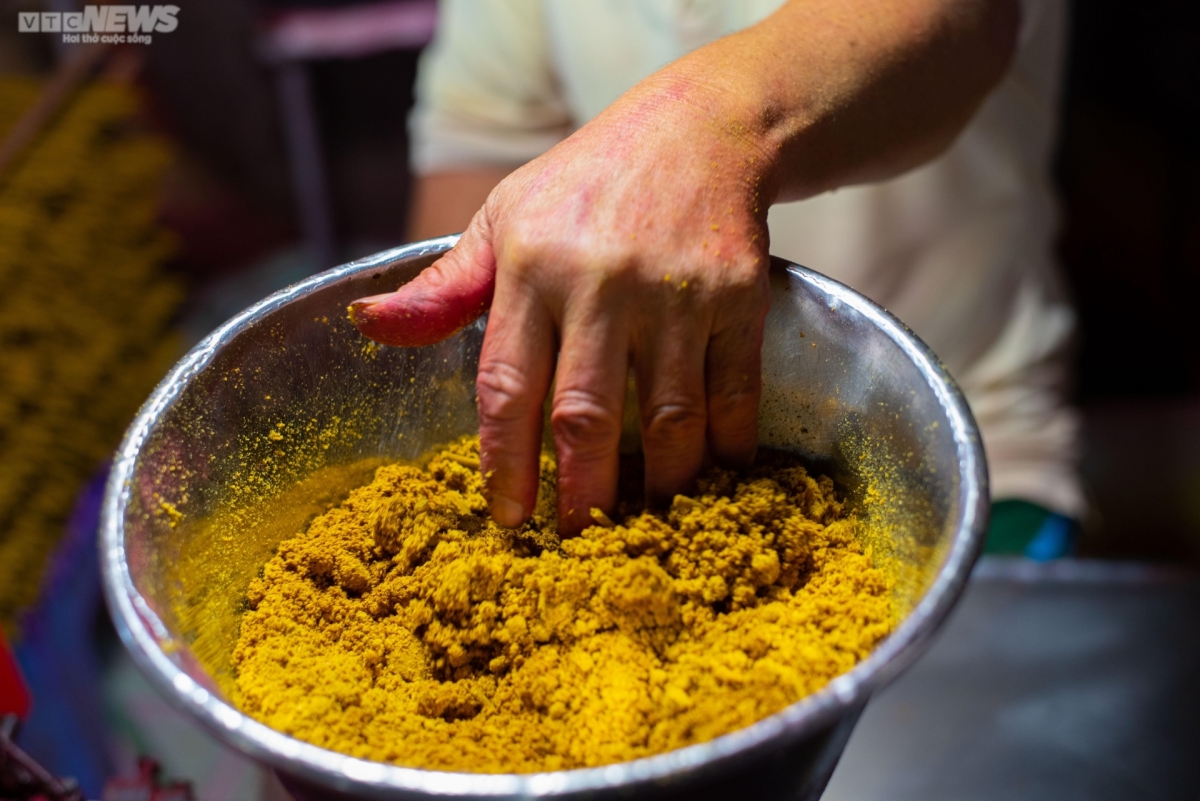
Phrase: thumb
{"type": "Point", "coordinates": [446, 297]}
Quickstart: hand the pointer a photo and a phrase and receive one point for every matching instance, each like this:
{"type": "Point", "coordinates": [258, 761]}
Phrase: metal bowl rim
{"type": "Point", "coordinates": [142, 631]}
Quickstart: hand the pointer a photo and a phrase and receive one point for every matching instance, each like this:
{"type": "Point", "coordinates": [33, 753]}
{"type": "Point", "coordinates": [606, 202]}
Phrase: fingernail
{"type": "Point", "coordinates": [371, 300]}
{"type": "Point", "coordinates": [507, 512]}
{"type": "Point", "coordinates": [362, 305]}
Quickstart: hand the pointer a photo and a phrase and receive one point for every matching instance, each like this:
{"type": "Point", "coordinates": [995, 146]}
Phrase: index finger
{"type": "Point", "coordinates": [515, 366]}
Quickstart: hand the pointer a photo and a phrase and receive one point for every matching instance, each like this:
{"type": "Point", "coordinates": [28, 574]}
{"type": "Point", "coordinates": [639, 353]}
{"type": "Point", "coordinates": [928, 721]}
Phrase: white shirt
{"type": "Point", "coordinates": [960, 249]}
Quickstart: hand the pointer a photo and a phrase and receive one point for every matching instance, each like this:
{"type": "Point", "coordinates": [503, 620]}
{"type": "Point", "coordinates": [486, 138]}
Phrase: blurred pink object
{"type": "Point", "coordinates": [349, 31]}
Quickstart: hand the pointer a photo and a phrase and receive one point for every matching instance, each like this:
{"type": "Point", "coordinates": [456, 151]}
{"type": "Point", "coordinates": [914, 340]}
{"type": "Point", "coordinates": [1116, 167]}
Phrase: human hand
{"type": "Point", "coordinates": [641, 240]}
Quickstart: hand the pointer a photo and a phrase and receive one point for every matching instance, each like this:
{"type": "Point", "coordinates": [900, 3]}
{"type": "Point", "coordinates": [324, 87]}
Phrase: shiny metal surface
{"type": "Point", "coordinates": [845, 384]}
{"type": "Point", "coordinates": [1058, 680]}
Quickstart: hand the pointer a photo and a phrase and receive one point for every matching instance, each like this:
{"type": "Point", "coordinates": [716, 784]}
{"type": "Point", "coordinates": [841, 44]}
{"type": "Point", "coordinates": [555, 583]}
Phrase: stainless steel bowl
{"type": "Point", "coordinates": [845, 384]}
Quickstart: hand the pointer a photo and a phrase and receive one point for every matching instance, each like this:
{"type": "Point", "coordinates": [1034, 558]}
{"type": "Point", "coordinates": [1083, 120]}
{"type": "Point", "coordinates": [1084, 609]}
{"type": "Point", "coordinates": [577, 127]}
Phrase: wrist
{"type": "Point", "coordinates": [725, 128]}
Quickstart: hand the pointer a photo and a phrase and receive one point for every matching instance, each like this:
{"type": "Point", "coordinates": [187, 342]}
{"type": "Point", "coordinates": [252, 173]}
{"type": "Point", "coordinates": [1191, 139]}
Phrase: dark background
{"type": "Point", "coordinates": [1128, 167]}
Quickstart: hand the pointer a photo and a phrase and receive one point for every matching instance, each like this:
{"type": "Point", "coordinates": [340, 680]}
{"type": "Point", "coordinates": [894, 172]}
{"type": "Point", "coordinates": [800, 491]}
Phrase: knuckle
{"type": "Point", "coordinates": [749, 279]}
{"type": "Point", "coordinates": [743, 297]}
{"type": "Point", "coordinates": [583, 423]}
{"type": "Point", "coordinates": [530, 238]}
{"type": "Point", "coordinates": [735, 395]}
{"type": "Point", "coordinates": [524, 249]}
{"type": "Point", "coordinates": [438, 273]}
{"type": "Point", "coordinates": [673, 423]}
{"type": "Point", "coordinates": [746, 271]}
{"type": "Point", "coordinates": [503, 393]}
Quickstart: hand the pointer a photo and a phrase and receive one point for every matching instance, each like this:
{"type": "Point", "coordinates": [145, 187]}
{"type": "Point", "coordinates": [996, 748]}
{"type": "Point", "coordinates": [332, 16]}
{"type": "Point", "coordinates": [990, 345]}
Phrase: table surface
{"type": "Point", "coordinates": [1072, 680]}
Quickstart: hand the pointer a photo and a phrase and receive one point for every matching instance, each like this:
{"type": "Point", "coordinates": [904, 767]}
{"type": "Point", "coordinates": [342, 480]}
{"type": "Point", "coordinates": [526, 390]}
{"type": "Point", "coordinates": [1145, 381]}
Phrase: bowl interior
{"type": "Point", "coordinates": [287, 407]}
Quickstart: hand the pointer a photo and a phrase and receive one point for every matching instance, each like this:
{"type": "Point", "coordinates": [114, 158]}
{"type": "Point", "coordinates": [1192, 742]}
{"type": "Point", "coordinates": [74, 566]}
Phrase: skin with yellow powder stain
{"type": "Point", "coordinates": [404, 626]}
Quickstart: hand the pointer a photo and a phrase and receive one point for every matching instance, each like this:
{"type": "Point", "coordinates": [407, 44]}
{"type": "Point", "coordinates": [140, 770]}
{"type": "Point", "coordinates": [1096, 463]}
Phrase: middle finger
{"type": "Point", "coordinates": [589, 398]}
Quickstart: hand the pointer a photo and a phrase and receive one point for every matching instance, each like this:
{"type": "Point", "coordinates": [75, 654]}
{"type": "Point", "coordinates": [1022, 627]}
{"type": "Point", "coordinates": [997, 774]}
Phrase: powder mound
{"type": "Point", "coordinates": [404, 626]}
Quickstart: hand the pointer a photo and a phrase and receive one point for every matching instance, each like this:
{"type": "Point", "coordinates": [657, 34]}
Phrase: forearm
{"type": "Point", "coordinates": [444, 202]}
{"type": "Point", "coordinates": [826, 93]}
